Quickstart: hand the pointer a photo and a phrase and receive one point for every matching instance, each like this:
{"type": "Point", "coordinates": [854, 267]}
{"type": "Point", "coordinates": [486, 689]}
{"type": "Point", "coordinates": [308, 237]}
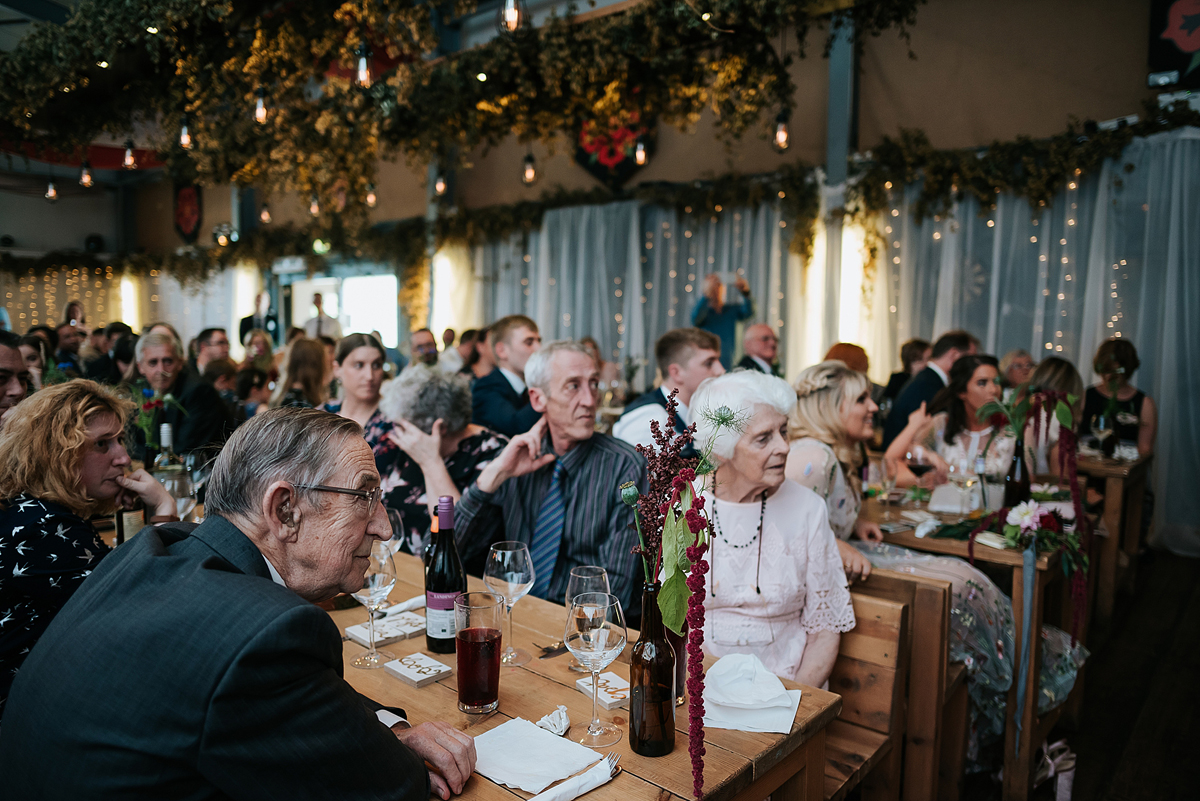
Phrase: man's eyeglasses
{"type": "Point", "coordinates": [372, 496]}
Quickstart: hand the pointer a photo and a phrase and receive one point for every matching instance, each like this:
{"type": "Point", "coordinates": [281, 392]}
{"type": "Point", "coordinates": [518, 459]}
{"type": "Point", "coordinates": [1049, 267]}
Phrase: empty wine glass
{"type": "Point", "coordinates": [587, 578]}
{"type": "Point", "coordinates": [509, 572]}
{"type": "Point", "coordinates": [596, 635]}
{"type": "Point", "coordinates": [377, 585]}
{"type": "Point", "coordinates": [887, 482]}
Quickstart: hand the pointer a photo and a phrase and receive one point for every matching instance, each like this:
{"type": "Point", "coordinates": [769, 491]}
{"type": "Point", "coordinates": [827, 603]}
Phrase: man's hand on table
{"type": "Point", "coordinates": [450, 752]}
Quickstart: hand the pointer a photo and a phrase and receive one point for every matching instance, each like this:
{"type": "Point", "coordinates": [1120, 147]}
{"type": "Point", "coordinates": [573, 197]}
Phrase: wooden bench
{"type": "Point", "coordinates": [864, 745]}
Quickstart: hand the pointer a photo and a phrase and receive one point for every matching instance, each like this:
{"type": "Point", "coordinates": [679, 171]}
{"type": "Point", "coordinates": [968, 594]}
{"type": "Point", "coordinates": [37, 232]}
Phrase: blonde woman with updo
{"type": "Point", "coordinates": [831, 419]}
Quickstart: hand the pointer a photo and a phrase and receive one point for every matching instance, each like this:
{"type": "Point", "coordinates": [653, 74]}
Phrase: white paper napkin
{"type": "Point", "coordinates": [945, 498]}
{"type": "Point", "coordinates": [519, 754]}
{"type": "Point", "coordinates": [917, 516]}
{"type": "Point", "coordinates": [417, 602]}
{"type": "Point", "coordinates": [578, 785]}
{"type": "Point", "coordinates": [741, 694]}
{"type": "Point", "coordinates": [557, 722]}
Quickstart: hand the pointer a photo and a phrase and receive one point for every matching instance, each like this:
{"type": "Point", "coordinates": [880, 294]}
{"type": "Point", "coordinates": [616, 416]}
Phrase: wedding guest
{"type": "Point", "coordinates": [321, 324]}
{"type": "Point", "coordinates": [558, 484]}
{"type": "Point", "coordinates": [500, 399]}
{"type": "Point", "coordinates": [358, 365]}
{"type": "Point", "coordinates": [124, 356]}
{"type": "Point", "coordinates": [481, 360]}
{"type": "Point", "coordinates": [453, 358]}
{"type": "Point", "coordinates": [211, 343]}
{"type": "Point", "coordinates": [1133, 413]}
{"type": "Point", "coordinates": [259, 351]}
{"type": "Point", "coordinates": [222, 375]}
{"type": "Point", "coordinates": [15, 380]}
{"type": "Point", "coordinates": [610, 374]}
{"type": "Point", "coordinates": [1015, 368]}
{"type": "Point", "coordinates": [253, 391]}
{"type": "Point", "coordinates": [854, 357]}
{"type": "Point", "coordinates": [914, 355]}
{"type": "Point", "coordinates": [45, 332]}
{"type": "Point", "coordinates": [1042, 451]}
{"type": "Point", "coordinates": [432, 449]}
{"type": "Point", "coordinates": [36, 354]}
{"type": "Point", "coordinates": [262, 320]}
{"type": "Point", "coordinates": [62, 461]}
{"type": "Point", "coordinates": [303, 380]}
{"type": "Point", "coordinates": [776, 587]}
{"type": "Point", "coordinates": [948, 349]}
{"type": "Point", "coordinates": [73, 314]}
{"type": "Point", "coordinates": [423, 346]}
{"type": "Point", "coordinates": [103, 368]}
{"type": "Point", "coordinates": [70, 337]}
{"type": "Point", "coordinates": [761, 346]}
{"type": "Point", "coordinates": [195, 662]}
{"type": "Point", "coordinates": [715, 313]}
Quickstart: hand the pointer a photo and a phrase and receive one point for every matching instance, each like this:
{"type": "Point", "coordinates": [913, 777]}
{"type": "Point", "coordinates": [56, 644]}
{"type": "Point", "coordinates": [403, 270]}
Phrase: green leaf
{"type": "Point", "coordinates": [671, 543]}
{"type": "Point", "coordinates": [1063, 413]}
{"type": "Point", "coordinates": [672, 602]}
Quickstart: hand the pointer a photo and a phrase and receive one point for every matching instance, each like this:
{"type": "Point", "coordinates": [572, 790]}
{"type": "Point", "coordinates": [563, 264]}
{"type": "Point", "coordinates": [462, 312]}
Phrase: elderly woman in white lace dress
{"type": "Point", "coordinates": [776, 588]}
{"type": "Point", "coordinates": [827, 425]}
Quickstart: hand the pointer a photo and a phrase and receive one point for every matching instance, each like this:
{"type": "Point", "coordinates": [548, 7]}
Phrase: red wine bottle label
{"type": "Point", "coordinates": [439, 614]}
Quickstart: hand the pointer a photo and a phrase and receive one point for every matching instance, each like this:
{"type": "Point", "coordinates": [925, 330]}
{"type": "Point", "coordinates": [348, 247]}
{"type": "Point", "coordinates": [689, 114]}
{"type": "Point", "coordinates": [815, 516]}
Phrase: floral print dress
{"type": "Point", "coordinates": [376, 429]}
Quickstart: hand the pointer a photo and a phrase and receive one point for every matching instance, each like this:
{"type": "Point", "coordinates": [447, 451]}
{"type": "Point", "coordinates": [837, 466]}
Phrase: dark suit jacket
{"type": "Point", "coordinates": [271, 326]}
{"type": "Point", "coordinates": [206, 424]}
{"type": "Point", "coordinates": [495, 405]}
{"type": "Point", "coordinates": [921, 389]}
{"type": "Point", "coordinates": [747, 363]}
{"type": "Point", "coordinates": [103, 369]}
{"type": "Point", "coordinates": [180, 670]}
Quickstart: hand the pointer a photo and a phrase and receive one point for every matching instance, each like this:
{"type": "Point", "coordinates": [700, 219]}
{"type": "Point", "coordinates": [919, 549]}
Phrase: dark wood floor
{"type": "Point", "coordinates": [1139, 735]}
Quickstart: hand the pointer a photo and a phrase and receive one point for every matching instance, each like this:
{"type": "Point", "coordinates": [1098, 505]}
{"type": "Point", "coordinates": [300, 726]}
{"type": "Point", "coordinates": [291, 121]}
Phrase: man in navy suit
{"type": "Point", "coordinates": [194, 663]}
{"type": "Point", "coordinates": [500, 399]}
{"type": "Point", "coordinates": [261, 319]}
{"type": "Point", "coordinates": [929, 382]}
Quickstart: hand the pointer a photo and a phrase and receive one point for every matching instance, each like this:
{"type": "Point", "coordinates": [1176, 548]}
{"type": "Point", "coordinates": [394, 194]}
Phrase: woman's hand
{"type": "Point", "coordinates": [853, 562]}
{"type": "Point", "coordinates": [866, 530]}
{"type": "Point", "coordinates": [919, 418]}
{"type": "Point", "coordinates": [140, 484]}
{"type": "Point", "coordinates": [425, 449]}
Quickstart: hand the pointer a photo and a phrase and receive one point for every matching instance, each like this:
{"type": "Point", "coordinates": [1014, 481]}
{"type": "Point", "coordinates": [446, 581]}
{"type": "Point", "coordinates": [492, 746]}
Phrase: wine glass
{"type": "Point", "coordinates": [595, 634]}
{"type": "Point", "coordinates": [1102, 428]}
{"type": "Point", "coordinates": [377, 585]}
{"type": "Point", "coordinates": [887, 482]}
{"type": "Point", "coordinates": [509, 572]}
{"type": "Point", "coordinates": [918, 463]}
{"type": "Point", "coordinates": [588, 578]}
{"type": "Point", "coordinates": [963, 478]}
{"type": "Point", "coordinates": [178, 484]}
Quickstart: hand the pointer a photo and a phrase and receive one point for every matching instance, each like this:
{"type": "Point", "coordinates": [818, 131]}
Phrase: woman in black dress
{"type": "Point", "coordinates": [1134, 415]}
{"type": "Point", "coordinates": [62, 460]}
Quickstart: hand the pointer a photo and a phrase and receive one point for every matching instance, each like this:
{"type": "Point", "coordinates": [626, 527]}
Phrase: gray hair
{"type": "Point", "coordinates": [422, 394]}
{"type": "Point", "coordinates": [154, 341]}
{"type": "Point", "coordinates": [293, 444]}
{"type": "Point", "coordinates": [537, 369]}
{"type": "Point", "coordinates": [738, 392]}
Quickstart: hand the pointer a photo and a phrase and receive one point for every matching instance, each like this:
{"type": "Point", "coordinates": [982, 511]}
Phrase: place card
{"type": "Point", "coordinates": [614, 690]}
{"type": "Point", "coordinates": [417, 669]}
{"type": "Point", "coordinates": [392, 629]}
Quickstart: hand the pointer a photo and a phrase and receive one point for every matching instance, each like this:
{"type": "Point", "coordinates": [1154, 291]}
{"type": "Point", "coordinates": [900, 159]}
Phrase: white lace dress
{"type": "Point", "coordinates": [795, 566]}
{"type": "Point", "coordinates": [968, 444]}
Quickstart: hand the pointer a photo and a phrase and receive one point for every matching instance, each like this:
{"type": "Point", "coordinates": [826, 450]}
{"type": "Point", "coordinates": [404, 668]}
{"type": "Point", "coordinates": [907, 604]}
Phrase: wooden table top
{"type": "Point", "coordinates": [1103, 467]}
{"type": "Point", "coordinates": [733, 760]}
{"type": "Point", "coordinates": [873, 510]}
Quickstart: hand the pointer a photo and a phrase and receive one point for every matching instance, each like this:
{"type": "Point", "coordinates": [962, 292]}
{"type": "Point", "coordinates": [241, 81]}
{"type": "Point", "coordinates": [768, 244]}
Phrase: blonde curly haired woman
{"type": "Point", "coordinates": [834, 415]}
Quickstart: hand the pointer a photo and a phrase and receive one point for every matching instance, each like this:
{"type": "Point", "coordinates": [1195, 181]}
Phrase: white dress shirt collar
{"type": "Point", "coordinates": [518, 383]}
{"type": "Point", "coordinates": [275, 577]}
{"type": "Point", "coordinates": [941, 373]}
{"type": "Point", "coordinates": [766, 368]}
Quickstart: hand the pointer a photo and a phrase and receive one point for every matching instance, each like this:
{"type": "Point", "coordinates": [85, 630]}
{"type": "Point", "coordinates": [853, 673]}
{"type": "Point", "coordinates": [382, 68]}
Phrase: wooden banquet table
{"type": "Point", "coordinates": [1018, 770]}
{"type": "Point", "coordinates": [1124, 488]}
{"type": "Point", "coordinates": [738, 765]}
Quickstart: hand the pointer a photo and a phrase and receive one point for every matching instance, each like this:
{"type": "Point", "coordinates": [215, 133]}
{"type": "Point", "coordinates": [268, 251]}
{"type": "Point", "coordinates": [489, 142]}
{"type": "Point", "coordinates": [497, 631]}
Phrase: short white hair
{"type": "Point", "coordinates": [741, 392]}
{"type": "Point", "coordinates": [537, 369]}
{"type": "Point", "coordinates": [154, 341]}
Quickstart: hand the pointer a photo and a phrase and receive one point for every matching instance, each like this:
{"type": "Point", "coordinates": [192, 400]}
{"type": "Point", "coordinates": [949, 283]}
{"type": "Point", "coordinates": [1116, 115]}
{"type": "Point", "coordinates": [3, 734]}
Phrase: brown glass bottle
{"type": "Point", "coordinates": [1016, 480]}
{"type": "Point", "coordinates": [652, 683]}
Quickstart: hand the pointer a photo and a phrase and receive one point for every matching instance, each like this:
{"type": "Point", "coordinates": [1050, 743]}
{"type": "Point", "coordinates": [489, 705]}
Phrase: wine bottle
{"type": "Point", "coordinates": [1016, 480]}
{"type": "Point", "coordinates": [166, 458]}
{"type": "Point", "coordinates": [445, 580]}
{"type": "Point", "coordinates": [130, 521]}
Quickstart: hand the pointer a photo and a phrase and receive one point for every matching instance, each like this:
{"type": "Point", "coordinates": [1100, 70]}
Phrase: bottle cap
{"type": "Point", "coordinates": [445, 513]}
{"type": "Point", "coordinates": [164, 435]}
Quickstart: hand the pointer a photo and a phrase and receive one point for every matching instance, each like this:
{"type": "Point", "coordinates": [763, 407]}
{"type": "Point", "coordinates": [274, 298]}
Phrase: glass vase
{"type": "Point", "coordinates": [652, 683]}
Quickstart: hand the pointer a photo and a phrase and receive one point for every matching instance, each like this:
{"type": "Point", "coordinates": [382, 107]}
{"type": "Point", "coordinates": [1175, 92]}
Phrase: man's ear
{"type": "Point", "coordinates": [281, 511]}
{"type": "Point", "coordinates": [500, 350]}
{"type": "Point", "coordinates": [673, 371]}
{"type": "Point", "coordinates": [537, 399]}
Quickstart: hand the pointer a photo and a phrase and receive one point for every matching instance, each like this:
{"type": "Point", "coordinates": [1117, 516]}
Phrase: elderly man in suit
{"type": "Point", "coordinates": [500, 399]}
{"type": "Point", "coordinates": [949, 347]}
{"type": "Point", "coordinates": [761, 346]}
{"type": "Point", "coordinates": [193, 662]}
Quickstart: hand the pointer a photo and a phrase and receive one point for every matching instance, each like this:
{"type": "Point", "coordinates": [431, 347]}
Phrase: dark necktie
{"type": "Point", "coordinates": [547, 533]}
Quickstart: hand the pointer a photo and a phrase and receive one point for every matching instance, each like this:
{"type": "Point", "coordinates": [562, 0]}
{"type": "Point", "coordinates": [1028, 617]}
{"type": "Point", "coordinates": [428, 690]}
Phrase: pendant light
{"type": "Point", "coordinates": [264, 215]}
{"type": "Point", "coordinates": [439, 185]}
{"type": "Point", "coordinates": [363, 73]}
{"type": "Point", "coordinates": [780, 140]}
{"type": "Point", "coordinates": [372, 199]}
{"type": "Point", "coordinates": [85, 175]}
{"type": "Point", "coordinates": [529, 170]}
{"type": "Point", "coordinates": [51, 191]}
{"type": "Point", "coordinates": [639, 152]}
{"type": "Point", "coordinates": [130, 161]}
{"type": "Point", "coordinates": [185, 137]}
{"type": "Point", "coordinates": [511, 16]}
{"type": "Point", "coordinates": [314, 206]}
{"type": "Point", "coordinates": [260, 106]}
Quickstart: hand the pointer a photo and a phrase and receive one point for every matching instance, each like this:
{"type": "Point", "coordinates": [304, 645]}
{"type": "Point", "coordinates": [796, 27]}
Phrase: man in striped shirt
{"type": "Point", "coordinates": [558, 484]}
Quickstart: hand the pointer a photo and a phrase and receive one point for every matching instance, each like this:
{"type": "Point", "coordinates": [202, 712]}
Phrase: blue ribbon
{"type": "Point", "coordinates": [1029, 574]}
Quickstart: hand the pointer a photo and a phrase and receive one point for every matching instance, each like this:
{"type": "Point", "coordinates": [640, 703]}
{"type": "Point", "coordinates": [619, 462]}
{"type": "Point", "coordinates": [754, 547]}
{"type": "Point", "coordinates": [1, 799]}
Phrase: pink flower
{"type": "Point", "coordinates": [1025, 516]}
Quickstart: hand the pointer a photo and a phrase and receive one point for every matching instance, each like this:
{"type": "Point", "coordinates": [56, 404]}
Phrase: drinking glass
{"type": "Point", "coordinates": [378, 583]}
{"type": "Point", "coordinates": [963, 478]}
{"type": "Point", "coordinates": [509, 572]}
{"type": "Point", "coordinates": [588, 578]}
{"type": "Point", "coordinates": [919, 463]}
{"type": "Point", "coordinates": [1102, 427]}
{"type": "Point", "coordinates": [887, 482]}
{"type": "Point", "coordinates": [595, 634]}
{"type": "Point", "coordinates": [178, 484]}
{"type": "Point", "coordinates": [477, 618]}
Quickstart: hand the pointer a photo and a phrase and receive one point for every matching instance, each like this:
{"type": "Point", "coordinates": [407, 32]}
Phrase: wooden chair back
{"type": "Point", "coordinates": [872, 664]}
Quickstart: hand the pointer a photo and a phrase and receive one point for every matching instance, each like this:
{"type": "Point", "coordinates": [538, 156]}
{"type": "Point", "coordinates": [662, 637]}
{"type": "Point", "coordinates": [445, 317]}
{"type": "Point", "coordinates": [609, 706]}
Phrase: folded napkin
{"type": "Point", "coordinates": [741, 694]}
{"type": "Point", "coordinates": [557, 722]}
{"type": "Point", "coordinates": [917, 516]}
{"type": "Point", "coordinates": [991, 539]}
{"type": "Point", "coordinates": [519, 754]}
{"type": "Point", "coordinates": [946, 499]}
{"type": "Point", "coordinates": [417, 602]}
{"type": "Point", "coordinates": [578, 785]}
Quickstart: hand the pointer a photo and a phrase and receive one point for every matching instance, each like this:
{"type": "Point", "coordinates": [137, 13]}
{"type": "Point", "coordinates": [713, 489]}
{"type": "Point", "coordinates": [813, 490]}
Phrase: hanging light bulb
{"type": "Point", "coordinates": [185, 137]}
{"type": "Point", "coordinates": [529, 170]}
{"type": "Point", "coordinates": [510, 17]}
{"type": "Point", "coordinates": [371, 197]}
{"type": "Point", "coordinates": [314, 206]}
{"type": "Point", "coordinates": [264, 216]}
{"type": "Point", "coordinates": [780, 140]}
{"type": "Point", "coordinates": [639, 151]}
{"type": "Point", "coordinates": [85, 175]}
{"type": "Point", "coordinates": [130, 161]}
{"type": "Point", "coordinates": [51, 192]}
{"type": "Point", "coordinates": [439, 185]}
{"type": "Point", "coordinates": [260, 106]}
{"type": "Point", "coordinates": [363, 74]}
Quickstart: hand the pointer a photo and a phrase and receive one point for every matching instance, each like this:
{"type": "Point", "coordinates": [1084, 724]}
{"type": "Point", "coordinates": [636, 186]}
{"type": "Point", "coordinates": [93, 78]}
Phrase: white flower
{"type": "Point", "coordinates": [1025, 515]}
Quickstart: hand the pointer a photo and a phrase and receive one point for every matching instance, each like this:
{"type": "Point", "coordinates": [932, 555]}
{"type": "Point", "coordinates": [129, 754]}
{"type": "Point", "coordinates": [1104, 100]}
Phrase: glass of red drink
{"type": "Point", "coordinates": [478, 617]}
